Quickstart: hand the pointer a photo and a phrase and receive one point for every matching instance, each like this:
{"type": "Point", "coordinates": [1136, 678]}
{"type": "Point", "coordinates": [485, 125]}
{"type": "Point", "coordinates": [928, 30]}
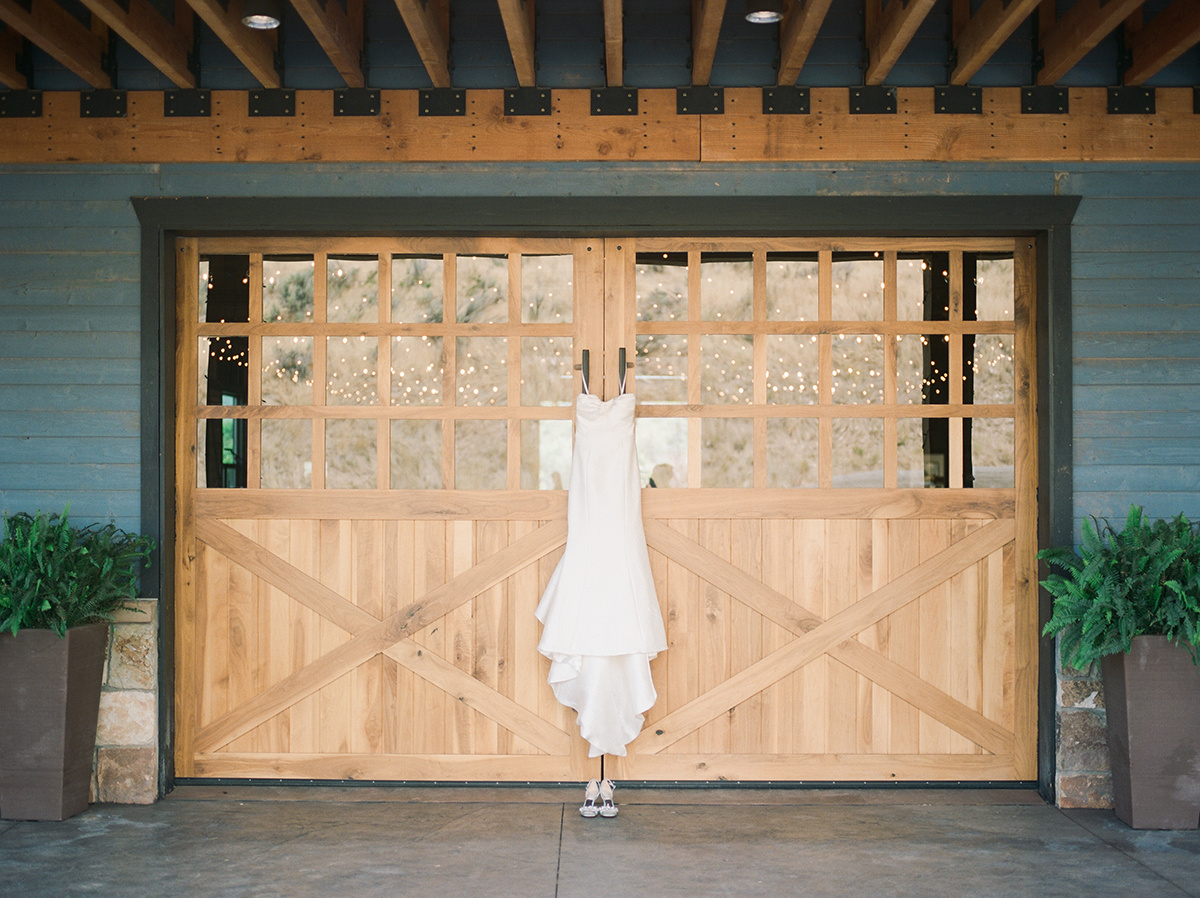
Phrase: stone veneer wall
{"type": "Point", "coordinates": [1083, 778]}
{"type": "Point", "coordinates": [126, 764]}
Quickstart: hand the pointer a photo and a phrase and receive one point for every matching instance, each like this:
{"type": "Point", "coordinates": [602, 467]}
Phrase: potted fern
{"type": "Point", "coordinates": [1130, 599]}
{"type": "Point", "coordinates": [59, 587]}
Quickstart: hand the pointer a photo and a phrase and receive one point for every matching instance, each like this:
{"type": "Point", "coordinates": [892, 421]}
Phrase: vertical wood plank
{"type": "Point", "coordinates": [713, 636]}
{"type": "Point", "coordinates": [841, 683]}
{"type": "Point", "coordinates": [812, 586]}
{"type": "Point", "coordinates": [745, 636]}
{"type": "Point", "coordinates": [935, 649]}
{"type": "Point", "coordinates": [904, 647]}
{"type": "Point", "coordinates": [461, 553]}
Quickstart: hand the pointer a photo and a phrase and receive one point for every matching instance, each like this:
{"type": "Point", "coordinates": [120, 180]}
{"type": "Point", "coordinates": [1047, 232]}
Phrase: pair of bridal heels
{"type": "Point", "coordinates": [598, 799]}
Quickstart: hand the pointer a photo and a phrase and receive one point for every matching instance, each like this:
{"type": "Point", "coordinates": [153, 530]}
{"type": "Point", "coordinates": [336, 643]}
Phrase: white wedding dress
{"type": "Point", "coordinates": [602, 623]}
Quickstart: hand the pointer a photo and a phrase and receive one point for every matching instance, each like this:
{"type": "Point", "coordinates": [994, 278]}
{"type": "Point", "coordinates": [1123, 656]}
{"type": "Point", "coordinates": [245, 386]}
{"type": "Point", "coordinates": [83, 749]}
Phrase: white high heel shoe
{"type": "Point", "coordinates": [607, 807]}
{"type": "Point", "coordinates": [590, 794]}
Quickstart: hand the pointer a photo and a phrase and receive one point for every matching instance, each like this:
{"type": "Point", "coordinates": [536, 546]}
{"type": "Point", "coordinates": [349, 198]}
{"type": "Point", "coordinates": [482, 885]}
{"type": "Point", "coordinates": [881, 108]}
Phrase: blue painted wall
{"type": "Point", "coordinates": [70, 294]}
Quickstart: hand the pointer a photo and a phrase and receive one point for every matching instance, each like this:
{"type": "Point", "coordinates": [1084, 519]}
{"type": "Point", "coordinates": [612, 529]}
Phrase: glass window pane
{"type": "Point", "coordinates": [922, 369]}
{"type": "Point", "coordinates": [351, 370]}
{"type": "Point", "coordinates": [545, 454]}
{"type": "Point", "coordinates": [481, 455]}
{"type": "Point", "coordinates": [352, 288]}
{"type": "Point", "coordinates": [792, 293]}
{"type": "Point", "coordinates": [857, 368]}
{"type": "Point", "coordinates": [417, 289]}
{"type": "Point", "coordinates": [482, 289]}
{"type": "Point", "coordinates": [662, 368]}
{"type": "Point", "coordinates": [857, 452]}
{"type": "Point", "coordinates": [994, 289]}
{"type": "Point", "coordinates": [482, 370]}
{"type": "Point", "coordinates": [225, 288]}
{"type": "Point", "coordinates": [417, 370]}
{"type": "Point", "coordinates": [857, 287]}
{"type": "Point", "coordinates": [662, 287]}
{"type": "Point", "coordinates": [286, 454]}
{"type": "Point", "coordinates": [221, 453]}
{"type": "Point", "coordinates": [350, 453]}
{"type": "Point", "coordinates": [726, 368]}
{"type": "Point", "coordinates": [287, 370]}
{"type": "Point", "coordinates": [288, 288]}
{"type": "Point", "coordinates": [792, 452]}
{"type": "Point", "coordinates": [921, 453]}
{"type": "Point", "coordinates": [726, 286]}
{"type": "Point", "coordinates": [910, 288]}
{"type": "Point", "coordinates": [224, 371]}
{"type": "Point", "coordinates": [994, 382]}
{"type": "Point", "coordinates": [546, 371]}
{"type": "Point", "coordinates": [416, 462]}
{"type": "Point", "coordinates": [727, 452]}
{"type": "Point", "coordinates": [992, 452]}
{"type": "Point", "coordinates": [662, 448]}
{"type": "Point", "coordinates": [547, 288]}
{"type": "Point", "coordinates": [792, 369]}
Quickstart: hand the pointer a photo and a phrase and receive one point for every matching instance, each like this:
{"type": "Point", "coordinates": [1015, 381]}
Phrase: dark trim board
{"type": "Point", "coordinates": [1045, 219]}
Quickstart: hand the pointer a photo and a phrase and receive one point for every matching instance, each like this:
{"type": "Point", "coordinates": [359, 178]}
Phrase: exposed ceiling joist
{"type": "Point", "coordinates": [891, 33]}
{"type": "Point", "coordinates": [147, 30]}
{"type": "Point", "coordinates": [1077, 31]}
{"type": "Point", "coordinates": [517, 16]}
{"type": "Point", "coordinates": [984, 33]}
{"type": "Point", "coordinates": [706, 29]}
{"type": "Point", "coordinates": [255, 49]}
{"type": "Point", "coordinates": [614, 42]}
{"type": "Point", "coordinates": [1169, 35]}
{"type": "Point", "coordinates": [12, 47]}
{"type": "Point", "coordinates": [338, 31]}
{"type": "Point", "coordinates": [61, 35]}
{"type": "Point", "coordinates": [428, 25]}
{"type": "Point", "coordinates": [796, 35]}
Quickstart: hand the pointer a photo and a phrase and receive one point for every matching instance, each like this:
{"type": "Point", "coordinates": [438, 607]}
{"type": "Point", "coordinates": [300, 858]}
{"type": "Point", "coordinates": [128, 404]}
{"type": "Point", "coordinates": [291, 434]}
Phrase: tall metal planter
{"type": "Point", "coordinates": [49, 705]}
{"type": "Point", "coordinates": [1152, 696]}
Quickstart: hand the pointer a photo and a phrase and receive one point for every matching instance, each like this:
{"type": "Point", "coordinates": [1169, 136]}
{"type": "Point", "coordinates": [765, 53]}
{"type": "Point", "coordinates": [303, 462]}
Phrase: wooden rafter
{"type": "Point", "coordinates": [518, 26]}
{"type": "Point", "coordinates": [1080, 29]}
{"type": "Point", "coordinates": [614, 42]}
{"type": "Point", "coordinates": [254, 49]}
{"type": "Point", "coordinates": [147, 30]}
{"type": "Point", "coordinates": [63, 36]}
{"type": "Point", "coordinates": [799, 30]}
{"type": "Point", "coordinates": [891, 33]}
{"type": "Point", "coordinates": [340, 34]}
{"type": "Point", "coordinates": [706, 29]}
{"type": "Point", "coordinates": [428, 25]}
{"type": "Point", "coordinates": [990, 26]}
{"type": "Point", "coordinates": [12, 47]}
{"type": "Point", "coordinates": [1170, 33]}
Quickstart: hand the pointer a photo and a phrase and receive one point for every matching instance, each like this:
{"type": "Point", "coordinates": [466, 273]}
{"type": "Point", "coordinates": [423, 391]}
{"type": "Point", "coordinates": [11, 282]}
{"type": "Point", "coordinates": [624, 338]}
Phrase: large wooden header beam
{"type": "Point", "coordinates": [830, 132]}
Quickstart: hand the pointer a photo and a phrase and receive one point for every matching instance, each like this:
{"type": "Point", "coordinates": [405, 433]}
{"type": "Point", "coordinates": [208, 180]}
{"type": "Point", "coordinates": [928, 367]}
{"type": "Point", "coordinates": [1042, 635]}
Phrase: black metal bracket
{"type": "Point", "coordinates": [1131, 101]}
{"type": "Point", "coordinates": [442, 101]}
{"type": "Point", "coordinates": [20, 104]}
{"type": "Point", "coordinates": [614, 101]}
{"type": "Point", "coordinates": [958, 99]}
{"type": "Point", "coordinates": [356, 101]}
{"type": "Point", "coordinates": [873, 100]}
{"type": "Point", "coordinates": [785, 101]}
{"type": "Point", "coordinates": [1045, 100]}
{"type": "Point", "coordinates": [272, 103]}
{"type": "Point", "coordinates": [528, 101]}
{"type": "Point", "coordinates": [102, 104]}
{"type": "Point", "coordinates": [187, 104]}
{"type": "Point", "coordinates": [700, 101]}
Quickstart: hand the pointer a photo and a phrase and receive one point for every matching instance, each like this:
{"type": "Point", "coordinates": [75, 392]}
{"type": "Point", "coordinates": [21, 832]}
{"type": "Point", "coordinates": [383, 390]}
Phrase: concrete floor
{"type": "Point", "coordinates": [531, 841]}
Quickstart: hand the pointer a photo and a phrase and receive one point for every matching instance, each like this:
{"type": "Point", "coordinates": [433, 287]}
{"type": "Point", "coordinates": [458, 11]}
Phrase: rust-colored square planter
{"type": "Point", "coordinates": [49, 704]}
{"type": "Point", "coordinates": [1152, 696]}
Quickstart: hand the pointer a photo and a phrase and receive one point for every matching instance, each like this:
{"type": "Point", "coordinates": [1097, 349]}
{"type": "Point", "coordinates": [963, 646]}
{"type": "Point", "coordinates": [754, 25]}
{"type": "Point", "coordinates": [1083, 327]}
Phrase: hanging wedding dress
{"type": "Point", "coordinates": [602, 623]}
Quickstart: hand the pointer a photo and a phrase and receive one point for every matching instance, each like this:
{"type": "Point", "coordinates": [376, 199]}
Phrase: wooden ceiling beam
{"type": "Point", "coordinates": [1077, 31]}
{"type": "Point", "coordinates": [254, 49]}
{"type": "Point", "coordinates": [706, 30]}
{"type": "Point", "coordinates": [614, 43]}
{"type": "Point", "coordinates": [985, 31]}
{"type": "Point", "coordinates": [429, 26]}
{"type": "Point", "coordinates": [892, 32]}
{"type": "Point", "coordinates": [1169, 35]}
{"type": "Point", "coordinates": [338, 31]}
{"type": "Point", "coordinates": [63, 36]}
{"type": "Point", "coordinates": [147, 30]}
{"type": "Point", "coordinates": [796, 35]}
{"type": "Point", "coordinates": [517, 16]}
{"type": "Point", "coordinates": [12, 48]}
